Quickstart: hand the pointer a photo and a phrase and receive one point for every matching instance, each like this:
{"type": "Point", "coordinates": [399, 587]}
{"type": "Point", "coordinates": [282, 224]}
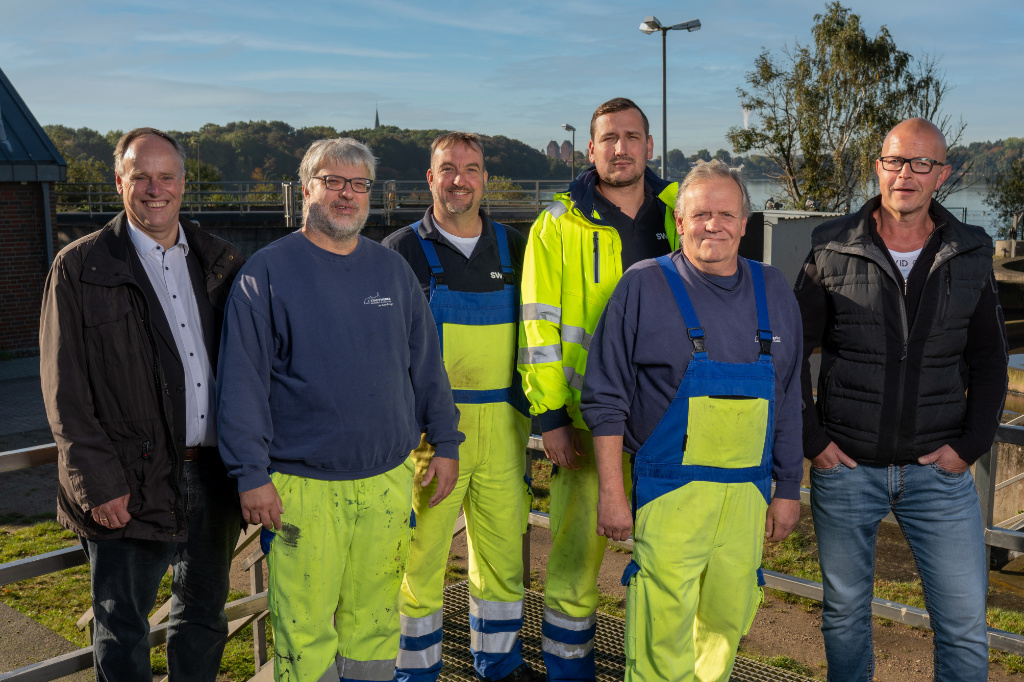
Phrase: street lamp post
{"type": "Point", "coordinates": [572, 155]}
{"type": "Point", "coordinates": [649, 26]}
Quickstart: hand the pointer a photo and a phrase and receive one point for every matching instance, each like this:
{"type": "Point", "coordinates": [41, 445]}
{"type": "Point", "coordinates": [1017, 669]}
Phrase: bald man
{"type": "Point", "coordinates": [901, 298]}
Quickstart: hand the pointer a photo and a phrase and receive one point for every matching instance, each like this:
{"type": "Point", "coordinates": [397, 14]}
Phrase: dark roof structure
{"type": "Point", "coordinates": [26, 152]}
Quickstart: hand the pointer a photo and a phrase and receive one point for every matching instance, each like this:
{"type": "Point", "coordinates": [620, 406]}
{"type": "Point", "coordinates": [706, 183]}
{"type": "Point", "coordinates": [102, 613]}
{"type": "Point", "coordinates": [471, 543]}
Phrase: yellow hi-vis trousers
{"type": "Point", "coordinates": [698, 549]}
{"type": "Point", "coordinates": [492, 490]}
{"type": "Point", "coordinates": [336, 567]}
{"type": "Point", "coordinates": [570, 588]}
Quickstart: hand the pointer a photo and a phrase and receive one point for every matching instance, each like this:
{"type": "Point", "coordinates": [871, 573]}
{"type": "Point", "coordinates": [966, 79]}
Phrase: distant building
{"type": "Point", "coordinates": [553, 150]}
{"type": "Point", "coordinates": [565, 153]}
{"type": "Point", "coordinates": [29, 165]}
{"type": "Point", "coordinates": [376, 118]}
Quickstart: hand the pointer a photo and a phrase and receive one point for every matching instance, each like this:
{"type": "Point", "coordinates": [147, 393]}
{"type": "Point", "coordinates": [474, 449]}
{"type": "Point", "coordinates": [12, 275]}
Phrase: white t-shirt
{"type": "Point", "coordinates": [463, 244]}
{"type": "Point", "coordinates": [905, 261]}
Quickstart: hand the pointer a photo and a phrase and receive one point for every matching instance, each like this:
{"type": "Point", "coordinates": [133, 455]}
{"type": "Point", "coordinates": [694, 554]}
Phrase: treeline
{"type": "Point", "coordinates": [262, 150]}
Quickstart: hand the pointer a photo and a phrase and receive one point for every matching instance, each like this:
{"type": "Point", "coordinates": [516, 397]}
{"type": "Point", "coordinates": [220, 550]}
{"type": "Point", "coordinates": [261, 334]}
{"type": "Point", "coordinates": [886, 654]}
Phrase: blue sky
{"type": "Point", "coordinates": [518, 68]}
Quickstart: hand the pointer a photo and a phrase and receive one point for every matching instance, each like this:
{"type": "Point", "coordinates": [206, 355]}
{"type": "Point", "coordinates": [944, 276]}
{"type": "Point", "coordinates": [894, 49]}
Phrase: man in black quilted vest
{"type": "Point", "coordinates": [901, 298]}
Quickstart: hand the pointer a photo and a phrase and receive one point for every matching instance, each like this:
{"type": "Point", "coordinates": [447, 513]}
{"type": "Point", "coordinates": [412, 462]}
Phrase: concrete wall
{"type": "Point", "coordinates": [23, 263]}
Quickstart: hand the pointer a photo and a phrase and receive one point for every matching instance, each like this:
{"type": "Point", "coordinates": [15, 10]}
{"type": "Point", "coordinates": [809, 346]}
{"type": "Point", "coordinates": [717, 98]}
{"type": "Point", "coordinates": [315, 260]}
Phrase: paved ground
{"type": "Point", "coordinates": [23, 423]}
{"type": "Point", "coordinates": [21, 399]}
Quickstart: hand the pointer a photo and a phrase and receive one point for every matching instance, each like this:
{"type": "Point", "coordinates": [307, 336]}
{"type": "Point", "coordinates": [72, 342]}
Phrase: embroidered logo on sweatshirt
{"type": "Point", "coordinates": [378, 300]}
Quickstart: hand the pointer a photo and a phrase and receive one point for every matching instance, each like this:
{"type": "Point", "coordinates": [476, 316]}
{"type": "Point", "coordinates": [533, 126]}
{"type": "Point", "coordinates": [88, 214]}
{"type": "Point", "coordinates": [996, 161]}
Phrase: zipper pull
{"type": "Point", "coordinates": [903, 356]}
{"type": "Point", "coordinates": [597, 260]}
{"type": "Point", "coordinates": [949, 286]}
{"type": "Point", "coordinates": [145, 449]}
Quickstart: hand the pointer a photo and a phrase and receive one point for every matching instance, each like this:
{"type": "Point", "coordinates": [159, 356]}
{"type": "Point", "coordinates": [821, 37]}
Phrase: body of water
{"type": "Point", "coordinates": [971, 199]}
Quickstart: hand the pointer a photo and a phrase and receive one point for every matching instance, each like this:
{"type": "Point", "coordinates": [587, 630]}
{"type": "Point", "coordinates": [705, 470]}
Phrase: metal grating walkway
{"type": "Point", "coordinates": [610, 662]}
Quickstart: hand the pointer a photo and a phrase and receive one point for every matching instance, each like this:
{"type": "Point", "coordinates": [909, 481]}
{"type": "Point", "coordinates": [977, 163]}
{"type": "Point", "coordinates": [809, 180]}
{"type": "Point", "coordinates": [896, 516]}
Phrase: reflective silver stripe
{"type": "Point", "coordinates": [566, 622]}
{"type": "Point", "coordinates": [573, 379]}
{"type": "Point", "coordinates": [557, 209]}
{"type": "Point", "coordinates": [331, 674]}
{"type": "Point", "coordinates": [372, 671]}
{"type": "Point", "coordinates": [566, 650]}
{"type": "Point", "coordinates": [414, 660]}
{"type": "Point", "coordinates": [492, 642]}
{"type": "Point", "coordinates": [495, 610]}
{"type": "Point", "coordinates": [417, 627]}
{"type": "Point", "coordinates": [541, 311]}
{"type": "Point", "coordinates": [576, 335]}
{"type": "Point", "coordinates": [534, 355]}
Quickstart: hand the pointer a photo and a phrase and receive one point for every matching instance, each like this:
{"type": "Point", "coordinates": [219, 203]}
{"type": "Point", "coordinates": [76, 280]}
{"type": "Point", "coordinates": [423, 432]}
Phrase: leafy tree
{"type": "Point", "coordinates": [702, 155]}
{"type": "Point", "coordinates": [1006, 195]}
{"type": "Point", "coordinates": [825, 107]}
{"type": "Point", "coordinates": [723, 155]}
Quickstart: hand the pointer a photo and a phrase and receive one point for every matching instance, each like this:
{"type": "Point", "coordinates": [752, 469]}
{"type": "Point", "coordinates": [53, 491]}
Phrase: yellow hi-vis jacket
{"type": "Point", "coordinates": [573, 262]}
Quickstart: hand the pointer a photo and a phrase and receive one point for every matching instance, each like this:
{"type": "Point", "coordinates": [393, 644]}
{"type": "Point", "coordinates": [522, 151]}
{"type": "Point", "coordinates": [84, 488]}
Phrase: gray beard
{"type": "Point", "coordinates": [318, 219]}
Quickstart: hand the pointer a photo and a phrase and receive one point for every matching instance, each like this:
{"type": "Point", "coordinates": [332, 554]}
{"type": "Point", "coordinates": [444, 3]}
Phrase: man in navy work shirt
{"type": "Point", "coordinates": [694, 369]}
{"type": "Point", "coordinates": [470, 268]}
{"type": "Point", "coordinates": [331, 371]}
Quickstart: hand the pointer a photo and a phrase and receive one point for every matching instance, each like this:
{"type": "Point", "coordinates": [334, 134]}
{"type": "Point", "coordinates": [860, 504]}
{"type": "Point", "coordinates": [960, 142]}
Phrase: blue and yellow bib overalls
{"type": "Point", "coordinates": [478, 342]}
{"type": "Point", "coordinates": [701, 485]}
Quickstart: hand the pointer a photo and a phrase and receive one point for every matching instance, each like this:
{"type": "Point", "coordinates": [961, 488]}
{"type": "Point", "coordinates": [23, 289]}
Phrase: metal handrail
{"type": "Point", "coordinates": [246, 196]}
{"type": "Point", "coordinates": [984, 475]}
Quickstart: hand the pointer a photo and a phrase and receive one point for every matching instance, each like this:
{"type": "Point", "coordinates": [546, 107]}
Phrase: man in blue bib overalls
{"type": "Point", "coordinates": [470, 269]}
{"type": "Point", "coordinates": [695, 368]}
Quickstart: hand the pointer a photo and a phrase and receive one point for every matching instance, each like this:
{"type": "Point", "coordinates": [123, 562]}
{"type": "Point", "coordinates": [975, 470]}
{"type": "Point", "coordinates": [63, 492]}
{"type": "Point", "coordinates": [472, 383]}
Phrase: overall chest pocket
{"type": "Point", "coordinates": [726, 431]}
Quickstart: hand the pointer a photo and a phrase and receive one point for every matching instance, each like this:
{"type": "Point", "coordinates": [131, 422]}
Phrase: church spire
{"type": "Point", "coordinates": [376, 117]}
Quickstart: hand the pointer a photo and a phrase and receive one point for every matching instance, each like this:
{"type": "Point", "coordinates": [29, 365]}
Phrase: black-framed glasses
{"type": "Point", "coordinates": [918, 165]}
{"type": "Point", "coordinates": [337, 183]}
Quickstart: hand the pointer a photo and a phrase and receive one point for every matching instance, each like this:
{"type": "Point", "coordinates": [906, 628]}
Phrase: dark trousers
{"type": "Point", "coordinates": [126, 574]}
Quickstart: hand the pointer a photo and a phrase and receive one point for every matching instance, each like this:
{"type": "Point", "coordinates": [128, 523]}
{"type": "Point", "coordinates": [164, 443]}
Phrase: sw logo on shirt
{"type": "Point", "coordinates": [496, 275]}
{"type": "Point", "coordinates": [378, 300]}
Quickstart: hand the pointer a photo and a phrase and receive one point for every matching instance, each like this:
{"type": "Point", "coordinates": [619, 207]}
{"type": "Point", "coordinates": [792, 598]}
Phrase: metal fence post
{"type": "Point", "coordinates": [985, 482]}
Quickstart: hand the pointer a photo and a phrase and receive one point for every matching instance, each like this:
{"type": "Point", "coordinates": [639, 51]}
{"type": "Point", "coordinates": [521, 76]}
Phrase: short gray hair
{"type": "Point", "coordinates": [121, 148]}
{"type": "Point", "coordinates": [340, 150]}
{"type": "Point", "coordinates": [709, 170]}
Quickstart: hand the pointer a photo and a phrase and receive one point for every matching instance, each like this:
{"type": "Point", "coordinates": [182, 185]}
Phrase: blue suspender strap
{"type": "Point", "coordinates": [764, 333]}
{"type": "Point", "coordinates": [675, 283]}
{"type": "Point", "coordinates": [436, 271]}
{"type": "Point", "coordinates": [503, 254]}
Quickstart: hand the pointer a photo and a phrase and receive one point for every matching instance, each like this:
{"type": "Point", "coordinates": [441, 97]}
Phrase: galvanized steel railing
{"type": "Point", "coordinates": [253, 195]}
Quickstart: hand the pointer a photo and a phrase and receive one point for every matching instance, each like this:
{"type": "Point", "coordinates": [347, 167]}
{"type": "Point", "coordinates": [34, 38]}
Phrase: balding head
{"type": "Point", "coordinates": [919, 134]}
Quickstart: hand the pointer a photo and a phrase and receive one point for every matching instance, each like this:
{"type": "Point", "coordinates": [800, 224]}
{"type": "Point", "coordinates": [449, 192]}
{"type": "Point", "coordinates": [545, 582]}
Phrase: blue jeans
{"type": "Point", "coordinates": [126, 574]}
{"type": "Point", "coordinates": [940, 516]}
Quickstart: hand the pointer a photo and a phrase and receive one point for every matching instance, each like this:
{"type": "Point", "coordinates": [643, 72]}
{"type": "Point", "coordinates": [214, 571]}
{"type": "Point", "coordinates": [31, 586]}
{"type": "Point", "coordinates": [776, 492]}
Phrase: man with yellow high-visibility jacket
{"type": "Point", "coordinates": [469, 268]}
{"type": "Point", "coordinates": [615, 213]}
{"type": "Point", "coordinates": [710, 422]}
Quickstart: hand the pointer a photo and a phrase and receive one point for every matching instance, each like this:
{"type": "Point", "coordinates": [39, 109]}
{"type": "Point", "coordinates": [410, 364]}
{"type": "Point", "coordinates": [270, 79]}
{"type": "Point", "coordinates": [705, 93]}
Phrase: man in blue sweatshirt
{"type": "Point", "coordinates": [331, 371]}
{"type": "Point", "coordinates": [695, 369]}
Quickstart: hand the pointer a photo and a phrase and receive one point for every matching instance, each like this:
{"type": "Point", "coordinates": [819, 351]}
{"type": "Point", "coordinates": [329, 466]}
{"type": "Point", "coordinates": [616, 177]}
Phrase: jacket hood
{"type": "Point", "coordinates": [581, 190]}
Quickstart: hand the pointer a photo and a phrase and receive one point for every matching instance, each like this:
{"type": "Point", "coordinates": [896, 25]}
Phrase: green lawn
{"type": "Point", "coordinates": [59, 599]}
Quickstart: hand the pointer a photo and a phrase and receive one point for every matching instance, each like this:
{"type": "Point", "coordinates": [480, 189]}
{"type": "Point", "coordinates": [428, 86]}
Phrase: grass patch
{"type": "Point", "coordinates": [58, 600]}
{"type": "Point", "coordinates": [781, 662]}
{"type": "Point", "coordinates": [612, 606]}
{"type": "Point", "coordinates": [455, 572]}
{"type": "Point", "coordinates": [796, 555]}
{"type": "Point", "coordinates": [541, 473]}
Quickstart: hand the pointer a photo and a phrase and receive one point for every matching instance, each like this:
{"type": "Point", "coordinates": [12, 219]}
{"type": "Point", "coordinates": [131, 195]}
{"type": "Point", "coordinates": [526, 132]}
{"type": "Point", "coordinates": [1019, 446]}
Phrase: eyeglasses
{"type": "Point", "coordinates": [919, 165]}
{"type": "Point", "coordinates": [337, 183]}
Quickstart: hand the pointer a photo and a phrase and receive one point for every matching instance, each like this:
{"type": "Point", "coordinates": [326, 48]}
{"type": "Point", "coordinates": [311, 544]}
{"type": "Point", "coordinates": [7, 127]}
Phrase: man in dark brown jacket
{"type": "Point", "coordinates": [129, 332]}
